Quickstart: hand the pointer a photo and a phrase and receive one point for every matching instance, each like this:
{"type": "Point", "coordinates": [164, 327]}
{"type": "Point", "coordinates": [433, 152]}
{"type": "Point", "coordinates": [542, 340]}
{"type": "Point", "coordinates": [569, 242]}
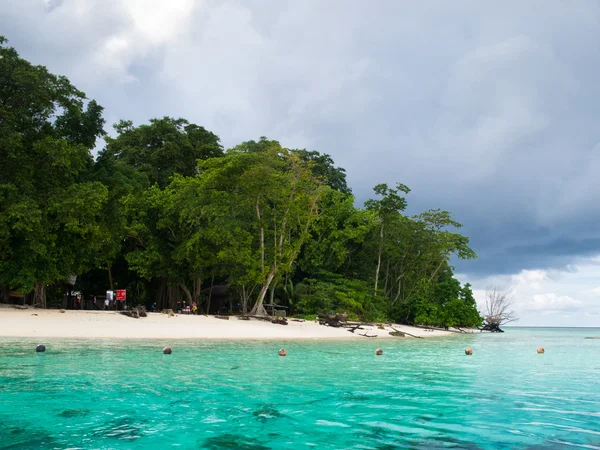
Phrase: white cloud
{"type": "Point", "coordinates": [157, 21]}
{"type": "Point", "coordinates": [552, 298]}
{"type": "Point", "coordinates": [552, 302]}
{"type": "Point", "coordinates": [531, 278]}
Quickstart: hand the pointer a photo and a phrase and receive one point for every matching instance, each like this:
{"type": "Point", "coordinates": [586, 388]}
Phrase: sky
{"type": "Point", "coordinates": [487, 109]}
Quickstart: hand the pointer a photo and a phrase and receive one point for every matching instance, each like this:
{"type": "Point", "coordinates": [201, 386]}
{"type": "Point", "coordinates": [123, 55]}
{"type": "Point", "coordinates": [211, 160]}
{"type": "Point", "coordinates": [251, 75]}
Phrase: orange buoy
{"type": "Point", "coordinates": [282, 352]}
{"type": "Point", "coordinates": [468, 351]}
{"type": "Point", "coordinates": [540, 350]}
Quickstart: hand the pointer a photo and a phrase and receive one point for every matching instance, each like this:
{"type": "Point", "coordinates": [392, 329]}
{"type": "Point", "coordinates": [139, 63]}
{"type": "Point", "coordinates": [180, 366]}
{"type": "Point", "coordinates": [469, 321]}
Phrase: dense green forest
{"type": "Point", "coordinates": [166, 213]}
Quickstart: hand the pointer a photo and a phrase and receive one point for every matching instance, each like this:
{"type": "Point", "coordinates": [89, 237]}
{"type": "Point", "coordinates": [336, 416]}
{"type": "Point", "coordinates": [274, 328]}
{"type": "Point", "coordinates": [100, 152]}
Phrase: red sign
{"type": "Point", "coordinates": [121, 294]}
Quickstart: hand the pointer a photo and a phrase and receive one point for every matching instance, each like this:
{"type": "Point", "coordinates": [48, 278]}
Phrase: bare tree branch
{"type": "Point", "coordinates": [498, 308]}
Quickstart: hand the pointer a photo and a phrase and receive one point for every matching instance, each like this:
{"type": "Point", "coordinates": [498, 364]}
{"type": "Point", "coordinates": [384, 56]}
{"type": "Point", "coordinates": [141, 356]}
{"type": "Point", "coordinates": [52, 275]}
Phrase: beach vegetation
{"type": "Point", "coordinates": [164, 211]}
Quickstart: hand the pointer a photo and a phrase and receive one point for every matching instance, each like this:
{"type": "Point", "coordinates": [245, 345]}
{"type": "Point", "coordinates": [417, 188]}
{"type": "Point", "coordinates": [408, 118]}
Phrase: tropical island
{"type": "Point", "coordinates": [162, 211]}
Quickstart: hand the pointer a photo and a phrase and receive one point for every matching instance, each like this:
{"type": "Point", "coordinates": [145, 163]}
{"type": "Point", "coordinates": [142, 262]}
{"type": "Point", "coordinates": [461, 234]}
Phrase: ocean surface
{"type": "Point", "coordinates": [421, 394]}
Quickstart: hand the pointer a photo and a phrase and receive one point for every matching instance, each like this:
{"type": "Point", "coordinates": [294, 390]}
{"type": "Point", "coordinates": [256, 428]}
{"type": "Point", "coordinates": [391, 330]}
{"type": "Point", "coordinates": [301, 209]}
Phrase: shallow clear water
{"type": "Point", "coordinates": [419, 394]}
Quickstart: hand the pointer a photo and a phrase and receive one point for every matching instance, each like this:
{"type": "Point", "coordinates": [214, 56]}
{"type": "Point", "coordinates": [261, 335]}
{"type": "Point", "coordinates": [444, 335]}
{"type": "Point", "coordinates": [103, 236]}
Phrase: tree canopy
{"type": "Point", "coordinates": [49, 206]}
{"type": "Point", "coordinates": [165, 212]}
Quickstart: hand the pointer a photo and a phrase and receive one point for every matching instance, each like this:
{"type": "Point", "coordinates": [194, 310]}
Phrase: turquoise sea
{"type": "Point", "coordinates": [421, 394]}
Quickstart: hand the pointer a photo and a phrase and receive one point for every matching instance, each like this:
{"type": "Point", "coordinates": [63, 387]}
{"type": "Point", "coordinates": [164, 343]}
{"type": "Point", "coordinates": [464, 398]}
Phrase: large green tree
{"type": "Point", "coordinates": [138, 165]}
{"type": "Point", "coordinates": [122, 182]}
{"type": "Point", "coordinates": [49, 209]}
{"type": "Point", "coordinates": [387, 209]}
{"type": "Point", "coordinates": [258, 204]}
{"type": "Point", "coordinates": [324, 168]}
{"type": "Point", "coordinates": [163, 147]}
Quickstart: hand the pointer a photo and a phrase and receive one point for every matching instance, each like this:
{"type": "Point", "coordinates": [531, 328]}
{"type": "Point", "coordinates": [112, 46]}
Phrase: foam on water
{"type": "Point", "coordinates": [419, 394]}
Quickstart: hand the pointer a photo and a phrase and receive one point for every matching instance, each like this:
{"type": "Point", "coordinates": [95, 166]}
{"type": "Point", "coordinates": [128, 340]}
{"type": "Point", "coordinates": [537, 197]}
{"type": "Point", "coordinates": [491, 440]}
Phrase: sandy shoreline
{"type": "Point", "coordinates": [34, 323]}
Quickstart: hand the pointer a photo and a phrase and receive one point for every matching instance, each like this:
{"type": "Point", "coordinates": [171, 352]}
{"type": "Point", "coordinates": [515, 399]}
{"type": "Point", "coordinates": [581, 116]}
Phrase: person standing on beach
{"type": "Point", "coordinates": [109, 297]}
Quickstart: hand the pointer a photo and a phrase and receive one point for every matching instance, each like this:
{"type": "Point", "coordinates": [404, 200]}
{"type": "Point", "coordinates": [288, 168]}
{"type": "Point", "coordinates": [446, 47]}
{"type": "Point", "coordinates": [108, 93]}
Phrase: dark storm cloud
{"type": "Point", "coordinates": [487, 110]}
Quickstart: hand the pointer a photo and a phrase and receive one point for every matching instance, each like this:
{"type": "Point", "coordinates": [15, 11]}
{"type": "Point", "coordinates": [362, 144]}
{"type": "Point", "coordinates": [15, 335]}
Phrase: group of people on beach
{"type": "Point", "coordinates": [111, 303]}
{"type": "Point", "coordinates": [185, 308]}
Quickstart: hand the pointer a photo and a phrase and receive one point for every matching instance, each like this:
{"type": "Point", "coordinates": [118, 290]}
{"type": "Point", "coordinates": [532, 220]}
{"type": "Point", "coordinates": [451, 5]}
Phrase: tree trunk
{"type": "Point", "coordinates": [387, 275]}
{"type": "Point", "coordinates": [167, 295]}
{"type": "Point", "coordinates": [110, 278]}
{"type": "Point", "coordinates": [160, 295]}
{"type": "Point", "coordinates": [259, 309]}
{"type": "Point", "coordinates": [437, 269]}
{"type": "Point", "coordinates": [39, 296]}
{"type": "Point", "coordinates": [399, 280]}
{"type": "Point", "coordinates": [244, 301]}
{"type": "Point", "coordinates": [4, 295]}
{"type": "Point", "coordinates": [196, 287]}
{"type": "Point", "coordinates": [262, 237]}
{"type": "Point", "coordinates": [212, 283]}
{"type": "Point", "coordinates": [379, 258]}
{"type": "Point", "coordinates": [187, 292]}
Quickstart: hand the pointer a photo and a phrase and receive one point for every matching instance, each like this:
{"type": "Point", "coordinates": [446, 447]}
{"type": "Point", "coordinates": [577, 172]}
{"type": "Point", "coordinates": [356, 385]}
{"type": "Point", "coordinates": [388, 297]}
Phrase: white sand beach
{"type": "Point", "coordinates": [109, 324]}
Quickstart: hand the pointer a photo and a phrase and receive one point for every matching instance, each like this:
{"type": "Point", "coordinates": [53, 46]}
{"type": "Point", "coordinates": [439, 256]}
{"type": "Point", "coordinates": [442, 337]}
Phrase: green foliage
{"type": "Point", "coordinates": [171, 212]}
{"type": "Point", "coordinates": [258, 204]}
{"type": "Point", "coordinates": [449, 305]}
{"type": "Point", "coordinates": [49, 207]}
{"type": "Point", "coordinates": [323, 167]}
{"type": "Point", "coordinates": [163, 148]}
{"type": "Point", "coordinates": [339, 231]}
{"type": "Point", "coordinates": [332, 292]}
{"type": "Point", "coordinates": [392, 200]}
{"type": "Point", "coordinates": [308, 317]}
{"type": "Point", "coordinates": [122, 182]}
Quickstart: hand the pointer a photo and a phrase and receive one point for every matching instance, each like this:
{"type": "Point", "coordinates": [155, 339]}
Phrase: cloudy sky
{"type": "Point", "coordinates": [487, 109]}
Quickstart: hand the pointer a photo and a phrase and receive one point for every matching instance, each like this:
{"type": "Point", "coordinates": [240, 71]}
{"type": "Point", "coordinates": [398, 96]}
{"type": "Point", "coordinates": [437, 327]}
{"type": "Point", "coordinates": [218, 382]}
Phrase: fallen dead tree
{"type": "Point", "coordinates": [498, 309]}
{"type": "Point", "coordinates": [492, 327]}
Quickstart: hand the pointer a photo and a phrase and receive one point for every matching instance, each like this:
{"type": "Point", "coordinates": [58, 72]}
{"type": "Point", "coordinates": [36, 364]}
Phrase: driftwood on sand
{"type": "Point", "coordinates": [366, 334]}
{"type": "Point", "coordinates": [408, 334]}
{"type": "Point", "coordinates": [354, 327]}
{"type": "Point", "coordinates": [265, 318]}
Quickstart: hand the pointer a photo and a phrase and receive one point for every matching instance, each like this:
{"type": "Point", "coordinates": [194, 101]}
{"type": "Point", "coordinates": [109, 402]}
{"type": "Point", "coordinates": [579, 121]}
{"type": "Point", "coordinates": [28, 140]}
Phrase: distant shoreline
{"type": "Point", "coordinates": [40, 323]}
{"type": "Point", "coordinates": [550, 327]}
